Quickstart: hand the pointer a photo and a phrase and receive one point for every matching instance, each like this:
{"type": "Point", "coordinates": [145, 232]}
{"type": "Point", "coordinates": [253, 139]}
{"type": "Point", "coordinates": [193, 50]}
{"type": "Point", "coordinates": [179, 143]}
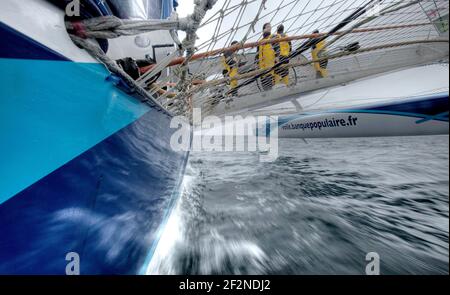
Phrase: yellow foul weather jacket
{"type": "Point", "coordinates": [231, 68]}
{"type": "Point", "coordinates": [317, 53]}
{"type": "Point", "coordinates": [266, 55]}
{"type": "Point", "coordinates": [285, 47]}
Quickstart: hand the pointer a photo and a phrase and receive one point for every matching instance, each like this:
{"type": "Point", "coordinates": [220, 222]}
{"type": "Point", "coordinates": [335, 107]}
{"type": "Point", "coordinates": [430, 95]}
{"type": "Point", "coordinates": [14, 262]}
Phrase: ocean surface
{"type": "Point", "coordinates": [319, 209]}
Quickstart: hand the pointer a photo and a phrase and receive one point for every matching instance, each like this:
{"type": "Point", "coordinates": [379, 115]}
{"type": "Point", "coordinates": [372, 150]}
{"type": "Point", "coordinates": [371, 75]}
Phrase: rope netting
{"type": "Point", "coordinates": [219, 60]}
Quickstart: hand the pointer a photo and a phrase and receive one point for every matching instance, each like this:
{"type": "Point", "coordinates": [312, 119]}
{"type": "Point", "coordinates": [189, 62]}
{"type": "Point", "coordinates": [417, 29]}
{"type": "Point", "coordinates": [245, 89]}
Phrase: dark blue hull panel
{"type": "Point", "coordinates": [107, 205]}
{"type": "Point", "coordinates": [84, 167]}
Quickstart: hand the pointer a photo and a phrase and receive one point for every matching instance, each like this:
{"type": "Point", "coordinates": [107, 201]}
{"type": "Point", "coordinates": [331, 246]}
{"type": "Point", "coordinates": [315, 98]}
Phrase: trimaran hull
{"type": "Point", "coordinates": [86, 169]}
{"type": "Point", "coordinates": [418, 116]}
{"type": "Point", "coordinates": [383, 105]}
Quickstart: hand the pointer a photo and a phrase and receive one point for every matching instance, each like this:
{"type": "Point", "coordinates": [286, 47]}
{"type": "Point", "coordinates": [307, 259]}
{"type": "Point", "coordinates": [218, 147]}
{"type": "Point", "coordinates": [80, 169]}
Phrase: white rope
{"type": "Point", "coordinates": [241, 20]}
{"type": "Point", "coordinates": [323, 17]}
{"type": "Point", "coordinates": [94, 49]}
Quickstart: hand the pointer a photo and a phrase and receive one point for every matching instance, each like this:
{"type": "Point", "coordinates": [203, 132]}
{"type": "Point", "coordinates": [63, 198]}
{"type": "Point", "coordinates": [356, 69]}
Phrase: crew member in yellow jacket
{"type": "Point", "coordinates": [230, 65]}
{"type": "Point", "coordinates": [266, 58]}
{"type": "Point", "coordinates": [283, 51]}
{"type": "Point", "coordinates": [318, 52]}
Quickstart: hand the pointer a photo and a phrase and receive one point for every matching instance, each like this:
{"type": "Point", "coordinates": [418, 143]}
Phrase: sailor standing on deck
{"type": "Point", "coordinates": [230, 64]}
{"type": "Point", "coordinates": [266, 58]}
{"type": "Point", "coordinates": [283, 51]}
{"type": "Point", "coordinates": [319, 52]}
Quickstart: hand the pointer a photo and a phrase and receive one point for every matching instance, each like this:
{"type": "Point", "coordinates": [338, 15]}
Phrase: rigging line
{"type": "Point", "coordinates": [218, 23]}
{"type": "Point", "coordinates": [217, 28]}
{"type": "Point", "coordinates": [428, 16]}
{"type": "Point", "coordinates": [233, 31]}
{"type": "Point", "coordinates": [216, 52]}
{"type": "Point", "coordinates": [311, 43]}
{"type": "Point", "coordinates": [299, 15]}
{"type": "Point", "coordinates": [354, 36]}
{"type": "Point", "coordinates": [312, 22]}
{"type": "Point", "coordinates": [340, 14]}
{"type": "Point", "coordinates": [219, 37]}
{"type": "Point", "coordinates": [406, 26]}
{"type": "Point", "coordinates": [324, 18]}
{"type": "Point", "coordinates": [320, 99]}
{"type": "Point", "coordinates": [338, 55]}
{"type": "Point", "coordinates": [310, 25]}
{"type": "Point", "coordinates": [308, 12]}
{"type": "Point", "coordinates": [255, 20]}
{"type": "Point", "coordinates": [236, 24]}
{"type": "Point", "coordinates": [223, 34]}
{"type": "Point", "coordinates": [321, 20]}
{"type": "Point", "coordinates": [377, 40]}
{"type": "Point", "coordinates": [233, 8]}
{"type": "Point", "coordinates": [437, 10]}
{"type": "Point", "coordinates": [284, 20]}
{"type": "Point", "coordinates": [95, 50]}
{"type": "Point", "coordinates": [278, 10]}
{"type": "Point", "coordinates": [313, 12]}
{"type": "Point", "coordinates": [393, 8]}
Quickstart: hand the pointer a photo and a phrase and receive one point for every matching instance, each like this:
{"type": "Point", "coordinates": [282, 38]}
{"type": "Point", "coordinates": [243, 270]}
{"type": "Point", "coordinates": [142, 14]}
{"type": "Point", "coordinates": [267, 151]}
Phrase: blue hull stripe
{"type": "Point", "coordinates": [107, 205]}
{"type": "Point", "coordinates": [17, 45]}
{"type": "Point", "coordinates": [51, 112]}
{"type": "Point", "coordinates": [424, 108]}
{"type": "Point", "coordinates": [84, 168]}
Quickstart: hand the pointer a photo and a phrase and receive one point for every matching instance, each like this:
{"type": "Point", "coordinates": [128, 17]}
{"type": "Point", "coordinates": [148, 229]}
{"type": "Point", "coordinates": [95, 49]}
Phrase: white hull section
{"type": "Point", "coordinates": [49, 29]}
{"type": "Point", "coordinates": [335, 125]}
{"type": "Point", "coordinates": [392, 75]}
{"type": "Point", "coordinates": [397, 86]}
{"type": "Point", "coordinates": [44, 24]}
{"type": "Point", "coordinates": [403, 103]}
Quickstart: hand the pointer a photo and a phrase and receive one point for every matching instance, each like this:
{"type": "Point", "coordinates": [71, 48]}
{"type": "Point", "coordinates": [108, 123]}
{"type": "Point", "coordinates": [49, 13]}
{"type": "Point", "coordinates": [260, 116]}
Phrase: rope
{"type": "Point", "coordinates": [395, 7]}
{"type": "Point", "coordinates": [399, 24]}
{"type": "Point", "coordinates": [110, 27]}
{"type": "Point", "coordinates": [238, 47]}
{"type": "Point", "coordinates": [95, 50]}
{"type": "Point", "coordinates": [300, 64]}
{"type": "Point", "coordinates": [309, 44]}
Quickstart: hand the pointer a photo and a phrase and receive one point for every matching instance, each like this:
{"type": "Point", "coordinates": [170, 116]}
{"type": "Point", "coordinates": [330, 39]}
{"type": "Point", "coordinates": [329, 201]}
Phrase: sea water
{"type": "Point", "coordinates": [320, 208]}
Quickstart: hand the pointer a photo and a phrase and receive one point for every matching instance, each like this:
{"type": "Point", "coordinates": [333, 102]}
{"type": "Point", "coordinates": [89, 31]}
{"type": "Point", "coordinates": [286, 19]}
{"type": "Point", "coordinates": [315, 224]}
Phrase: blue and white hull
{"type": "Point", "coordinates": [84, 167]}
{"type": "Point", "coordinates": [407, 102]}
{"type": "Point", "coordinates": [426, 115]}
